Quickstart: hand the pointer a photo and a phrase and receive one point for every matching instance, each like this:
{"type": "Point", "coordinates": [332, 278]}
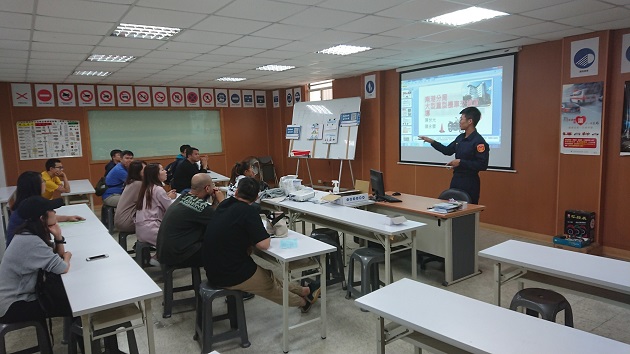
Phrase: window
{"type": "Point", "coordinates": [320, 91]}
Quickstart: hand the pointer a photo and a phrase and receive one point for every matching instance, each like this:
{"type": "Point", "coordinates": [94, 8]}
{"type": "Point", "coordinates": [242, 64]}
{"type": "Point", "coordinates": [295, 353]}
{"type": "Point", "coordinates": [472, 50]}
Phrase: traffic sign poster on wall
{"type": "Point", "coordinates": [22, 95]}
{"type": "Point", "coordinates": [143, 96]}
{"type": "Point", "coordinates": [192, 97]}
{"type": "Point", "coordinates": [125, 96]}
{"type": "Point", "coordinates": [86, 95]}
{"type": "Point", "coordinates": [207, 98]}
{"type": "Point", "coordinates": [44, 96]}
{"type": "Point", "coordinates": [66, 96]}
{"type": "Point", "coordinates": [105, 96]}
{"type": "Point", "coordinates": [49, 138]}
{"type": "Point", "coordinates": [160, 97]}
{"type": "Point", "coordinates": [177, 97]}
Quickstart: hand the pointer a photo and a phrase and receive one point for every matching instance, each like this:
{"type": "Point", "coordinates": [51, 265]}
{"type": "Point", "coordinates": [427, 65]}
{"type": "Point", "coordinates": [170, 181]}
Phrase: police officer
{"type": "Point", "coordinates": [471, 154]}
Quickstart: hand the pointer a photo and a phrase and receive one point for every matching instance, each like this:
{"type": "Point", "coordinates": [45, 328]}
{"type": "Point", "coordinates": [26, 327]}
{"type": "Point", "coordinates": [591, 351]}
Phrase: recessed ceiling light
{"type": "Point", "coordinates": [92, 73]}
{"type": "Point", "coordinates": [344, 50]}
{"type": "Point", "coordinates": [466, 16]}
{"type": "Point", "coordinates": [231, 79]}
{"type": "Point", "coordinates": [144, 32]}
{"type": "Point", "coordinates": [275, 67]}
{"type": "Point", "coordinates": [111, 58]}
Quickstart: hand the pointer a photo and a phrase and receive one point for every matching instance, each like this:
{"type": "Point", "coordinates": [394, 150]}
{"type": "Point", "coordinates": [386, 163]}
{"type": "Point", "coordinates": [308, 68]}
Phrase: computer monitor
{"type": "Point", "coordinates": [376, 180]}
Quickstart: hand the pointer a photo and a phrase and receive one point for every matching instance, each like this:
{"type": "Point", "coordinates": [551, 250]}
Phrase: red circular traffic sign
{"type": "Point", "coordinates": [86, 96]}
{"type": "Point", "coordinates": [106, 96]}
{"type": "Point", "coordinates": [160, 96]}
{"type": "Point", "coordinates": [65, 95]}
{"type": "Point", "coordinates": [44, 95]}
{"type": "Point", "coordinates": [143, 96]}
{"type": "Point", "coordinates": [207, 97]}
{"type": "Point", "coordinates": [124, 96]}
{"type": "Point", "coordinates": [177, 97]}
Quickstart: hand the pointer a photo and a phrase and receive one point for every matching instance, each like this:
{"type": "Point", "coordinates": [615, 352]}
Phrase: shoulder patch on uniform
{"type": "Point", "coordinates": [481, 148]}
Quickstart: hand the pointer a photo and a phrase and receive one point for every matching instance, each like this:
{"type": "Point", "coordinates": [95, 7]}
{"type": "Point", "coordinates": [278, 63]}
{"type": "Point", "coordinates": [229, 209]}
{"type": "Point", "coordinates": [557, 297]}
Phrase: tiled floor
{"type": "Point", "coordinates": [349, 330]}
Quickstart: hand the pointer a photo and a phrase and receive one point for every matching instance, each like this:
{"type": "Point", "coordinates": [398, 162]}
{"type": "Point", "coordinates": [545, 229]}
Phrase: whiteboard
{"type": "Point", "coordinates": [319, 113]}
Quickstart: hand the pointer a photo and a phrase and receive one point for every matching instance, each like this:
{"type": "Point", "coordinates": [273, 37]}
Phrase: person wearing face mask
{"type": "Point", "coordinates": [183, 226]}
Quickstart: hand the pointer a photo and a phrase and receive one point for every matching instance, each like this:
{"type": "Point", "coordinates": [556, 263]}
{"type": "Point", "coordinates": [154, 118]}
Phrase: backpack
{"type": "Point", "coordinates": [170, 171]}
{"type": "Point", "coordinates": [100, 187]}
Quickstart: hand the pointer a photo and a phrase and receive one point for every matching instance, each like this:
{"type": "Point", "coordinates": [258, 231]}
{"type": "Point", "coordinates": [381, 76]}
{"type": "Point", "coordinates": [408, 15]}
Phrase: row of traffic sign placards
{"type": "Point", "coordinates": [67, 95]}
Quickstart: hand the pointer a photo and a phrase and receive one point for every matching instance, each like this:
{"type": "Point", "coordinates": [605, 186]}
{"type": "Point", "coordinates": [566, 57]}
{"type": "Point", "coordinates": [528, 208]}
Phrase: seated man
{"type": "Point", "coordinates": [231, 233]}
{"type": "Point", "coordinates": [187, 169]}
{"type": "Point", "coordinates": [53, 177]}
{"type": "Point", "coordinates": [116, 158]}
{"type": "Point", "coordinates": [116, 178]}
{"type": "Point", "coordinates": [183, 226]}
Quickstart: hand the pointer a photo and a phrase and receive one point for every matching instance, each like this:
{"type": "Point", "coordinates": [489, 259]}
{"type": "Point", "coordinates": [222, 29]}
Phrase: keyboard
{"type": "Point", "coordinates": [389, 199]}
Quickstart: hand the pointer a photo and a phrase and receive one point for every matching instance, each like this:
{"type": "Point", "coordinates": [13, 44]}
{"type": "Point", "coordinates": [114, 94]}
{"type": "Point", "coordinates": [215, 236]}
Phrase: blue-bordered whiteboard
{"type": "Point", "coordinates": [317, 136]}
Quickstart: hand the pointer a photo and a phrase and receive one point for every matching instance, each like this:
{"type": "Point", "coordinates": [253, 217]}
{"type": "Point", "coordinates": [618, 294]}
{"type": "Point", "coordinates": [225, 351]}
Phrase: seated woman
{"type": "Point", "coordinates": [29, 184]}
{"type": "Point", "coordinates": [30, 251]}
{"type": "Point", "coordinates": [126, 210]}
{"type": "Point", "coordinates": [152, 203]}
{"type": "Point", "coordinates": [239, 171]}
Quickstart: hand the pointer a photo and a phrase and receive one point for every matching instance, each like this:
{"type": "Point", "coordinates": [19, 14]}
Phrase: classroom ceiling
{"type": "Point", "coordinates": [47, 40]}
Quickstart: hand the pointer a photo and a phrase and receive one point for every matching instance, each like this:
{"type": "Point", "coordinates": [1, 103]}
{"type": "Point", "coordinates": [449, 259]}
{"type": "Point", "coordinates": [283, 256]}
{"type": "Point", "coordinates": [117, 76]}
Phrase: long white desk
{"type": "Point", "coordinates": [592, 276]}
{"type": "Point", "coordinates": [105, 283]}
{"type": "Point", "coordinates": [218, 178]}
{"type": "Point", "coordinates": [5, 195]}
{"type": "Point", "coordinates": [444, 322]}
{"type": "Point", "coordinates": [361, 223]}
{"type": "Point", "coordinates": [306, 247]}
{"type": "Point", "coordinates": [80, 187]}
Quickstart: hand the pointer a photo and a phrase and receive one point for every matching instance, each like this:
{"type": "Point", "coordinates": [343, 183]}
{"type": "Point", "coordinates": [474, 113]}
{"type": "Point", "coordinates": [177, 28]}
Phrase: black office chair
{"type": "Point", "coordinates": [452, 193]}
{"type": "Point", "coordinates": [267, 170]}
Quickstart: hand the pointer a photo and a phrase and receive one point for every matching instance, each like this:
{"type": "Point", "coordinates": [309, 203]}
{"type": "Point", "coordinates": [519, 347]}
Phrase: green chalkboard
{"type": "Point", "coordinates": [149, 133]}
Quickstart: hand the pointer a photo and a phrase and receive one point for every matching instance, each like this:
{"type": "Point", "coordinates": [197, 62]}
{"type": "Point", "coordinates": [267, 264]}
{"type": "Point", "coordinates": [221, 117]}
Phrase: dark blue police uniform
{"type": "Point", "coordinates": [473, 153]}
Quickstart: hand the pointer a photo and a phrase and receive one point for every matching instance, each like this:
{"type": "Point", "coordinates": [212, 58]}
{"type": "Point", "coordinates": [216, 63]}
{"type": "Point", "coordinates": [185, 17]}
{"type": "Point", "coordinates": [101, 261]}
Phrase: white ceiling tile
{"type": "Point", "coordinates": [545, 27]}
{"type": "Point", "coordinates": [503, 23]}
{"type": "Point", "coordinates": [613, 14]}
{"type": "Point", "coordinates": [82, 10]}
{"type": "Point", "coordinates": [156, 60]}
{"type": "Point", "coordinates": [188, 47]}
{"type": "Point", "coordinates": [203, 63]}
{"type": "Point", "coordinates": [366, 6]}
{"type": "Point", "coordinates": [204, 37]}
{"type": "Point", "coordinates": [299, 46]}
{"type": "Point", "coordinates": [263, 10]}
{"type": "Point", "coordinates": [11, 60]}
{"type": "Point", "coordinates": [452, 35]}
{"type": "Point", "coordinates": [136, 52]}
{"type": "Point", "coordinates": [122, 42]}
{"type": "Point", "coordinates": [561, 34]}
{"type": "Point", "coordinates": [15, 34]}
{"type": "Point", "coordinates": [13, 20]}
{"type": "Point", "coordinates": [238, 66]}
{"type": "Point", "coordinates": [230, 25]}
{"type": "Point", "coordinates": [286, 32]}
{"type": "Point", "coordinates": [68, 38]}
{"type": "Point", "coordinates": [331, 37]}
{"type": "Point", "coordinates": [167, 54]}
{"type": "Point", "coordinates": [195, 6]}
{"type": "Point", "coordinates": [64, 25]}
{"type": "Point", "coordinates": [278, 54]}
{"type": "Point", "coordinates": [63, 48]}
{"type": "Point", "coordinates": [259, 42]}
{"type": "Point", "coordinates": [13, 45]}
{"type": "Point", "coordinates": [376, 41]}
{"type": "Point", "coordinates": [157, 17]}
{"type": "Point", "coordinates": [240, 51]}
{"type": "Point", "coordinates": [570, 9]}
{"type": "Point", "coordinates": [211, 57]}
{"type": "Point", "coordinates": [58, 56]}
{"type": "Point", "coordinates": [618, 24]}
{"type": "Point", "coordinates": [59, 62]}
{"type": "Point", "coordinates": [413, 44]}
{"type": "Point", "coordinates": [146, 66]}
{"type": "Point", "coordinates": [619, 2]}
{"type": "Point", "coordinates": [514, 7]}
{"type": "Point", "coordinates": [23, 6]}
{"type": "Point", "coordinates": [415, 30]}
{"type": "Point", "coordinates": [321, 18]}
{"type": "Point", "coordinates": [421, 9]}
{"type": "Point", "coordinates": [373, 24]}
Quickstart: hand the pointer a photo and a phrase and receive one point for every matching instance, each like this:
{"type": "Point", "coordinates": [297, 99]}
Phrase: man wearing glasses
{"type": "Point", "coordinates": [55, 179]}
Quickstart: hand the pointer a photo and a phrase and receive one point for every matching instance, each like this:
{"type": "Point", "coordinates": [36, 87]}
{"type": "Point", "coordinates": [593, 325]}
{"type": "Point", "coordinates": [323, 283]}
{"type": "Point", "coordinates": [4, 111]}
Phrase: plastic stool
{"type": "Point", "coordinates": [111, 342]}
{"type": "Point", "coordinates": [369, 258]}
{"type": "Point", "coordinates": [122, 241]}
{"type": "Point", "coordinates": [43, 342]}
{"type": "Point", "coordinates": [107, 217]}
{"type": "Point", "coordinates": [204, 331]}
{"type": "Point", "coordinates": [167, 274]}
{"type": "Point", "coordinates": [545, 302]}
{"type": "Point", "coordinates": [143, 253]}
{"type": "Point", "coordinates": [334, 261]}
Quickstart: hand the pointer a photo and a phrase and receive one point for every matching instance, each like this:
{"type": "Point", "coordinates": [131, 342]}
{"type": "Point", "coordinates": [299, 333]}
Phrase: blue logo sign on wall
{"type": "Point", "coordinates": [221, 97]}
{"type": "Point", "coordinates": [289, 98]}
{"type": "Point", "coordinates": [260, 99]}
{"type": "Point", "coordinates": [248, 98]}
{"type": "Point", "coordinates": [584, 58]}
{"type": "Point", "coordinates": [369, 86]}
{"type": "Point", "coordinates": [297, 97]}
{"type": "Point", "coordinates": [628, 53]}
{"type": "Point", "coordinates": [235, 99]}
{"type": "Point", "coordinates": [276, 99]}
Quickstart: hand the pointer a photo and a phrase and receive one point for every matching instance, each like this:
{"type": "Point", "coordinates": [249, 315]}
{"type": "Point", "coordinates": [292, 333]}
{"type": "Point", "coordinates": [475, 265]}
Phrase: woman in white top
{"type": "Point", "coordinates": [239, 171]}
{"type": "Point", "coordinates": [152, 203]}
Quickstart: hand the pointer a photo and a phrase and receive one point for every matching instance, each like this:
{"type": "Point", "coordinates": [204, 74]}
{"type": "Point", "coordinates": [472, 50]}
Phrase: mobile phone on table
{"type": "Point", "coordinates": [100, 256]}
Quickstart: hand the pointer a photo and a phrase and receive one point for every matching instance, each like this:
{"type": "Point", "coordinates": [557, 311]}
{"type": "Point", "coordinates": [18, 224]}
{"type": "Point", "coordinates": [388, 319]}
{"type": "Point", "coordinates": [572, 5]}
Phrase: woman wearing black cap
{"type": "Point", "coordinates": [30, 251]}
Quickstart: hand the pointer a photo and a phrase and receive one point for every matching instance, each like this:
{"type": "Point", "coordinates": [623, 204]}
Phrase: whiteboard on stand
{"type": "Point", "coordinates": [314, 116]}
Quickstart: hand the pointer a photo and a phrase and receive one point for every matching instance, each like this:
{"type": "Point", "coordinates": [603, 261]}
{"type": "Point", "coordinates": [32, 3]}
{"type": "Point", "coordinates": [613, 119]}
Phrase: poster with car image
{"type": "Point", "coordinates": [625, 121]}
{"type": "Point", "coordinates": [581, 118]}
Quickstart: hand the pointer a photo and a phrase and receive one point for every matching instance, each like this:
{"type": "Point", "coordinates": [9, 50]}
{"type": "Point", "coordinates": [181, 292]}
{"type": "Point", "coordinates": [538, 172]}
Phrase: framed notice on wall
{"type": "Point", "coordinates": [49, 138]}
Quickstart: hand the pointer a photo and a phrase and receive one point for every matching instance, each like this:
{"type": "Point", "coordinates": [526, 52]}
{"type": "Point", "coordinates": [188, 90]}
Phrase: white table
{"type": "Point", "coordinates": [444, 322]}
{"type": "Point", "coordinates": [306, 247]}
{"type": "Point", "coordinates": [218, 178]}
{"type": "Point", "coordinates": [361, 223]}
{"type": "Point", "coordinates": [5, 195]}
{"type": "Point", "coordinates": [80, 187]}
{"type": "Point", "coordinates": [603, 278]}
{"type": "Point", "coordinates": [105, 283]}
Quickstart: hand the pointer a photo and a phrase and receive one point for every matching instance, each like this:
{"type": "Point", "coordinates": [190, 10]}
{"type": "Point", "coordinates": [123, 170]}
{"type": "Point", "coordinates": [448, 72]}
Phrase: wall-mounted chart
{"type": "Point", "coordinates": [49, 138]}
{"type": "Point", "coordinates": [323, 136]}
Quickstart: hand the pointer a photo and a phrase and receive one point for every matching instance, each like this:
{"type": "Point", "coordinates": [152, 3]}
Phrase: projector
{"type": "Point", "coordinates": [302, 195]}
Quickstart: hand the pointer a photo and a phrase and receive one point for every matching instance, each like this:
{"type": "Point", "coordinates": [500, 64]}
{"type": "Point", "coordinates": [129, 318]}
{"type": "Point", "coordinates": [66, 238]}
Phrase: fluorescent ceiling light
{"type": "Point", "coordinates": [111, 58]}
{"type": "Point", "coordinates": [344, 50]}
{"type": "Point", "coordinates": [231, 79]}
{"type": "Point", "coordinates": [92, 73]}
{"type": "Point", "coordinates": [466, 16]}
{"type": "Point", "coordinates": [275, 67]}
{"type": "Point", "coordinates": [144, 32]}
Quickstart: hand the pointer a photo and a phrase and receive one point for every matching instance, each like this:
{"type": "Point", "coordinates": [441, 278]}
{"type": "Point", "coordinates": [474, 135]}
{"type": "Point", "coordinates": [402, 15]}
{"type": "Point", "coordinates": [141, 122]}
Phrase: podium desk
{"type": "Point", "coordinates": [103, 284]}
{"type": "Point", "coordinates": [452, 236]}
{"type": "Point", "coordinates": [601, 278]}
{"type": "Point", "coordinates": [444, 322]}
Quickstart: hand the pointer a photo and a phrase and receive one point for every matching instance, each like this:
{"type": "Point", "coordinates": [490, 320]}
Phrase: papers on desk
{"type": "Point", "coordinates": [447, 207]}
{"type": "Point", "coordinates": [288, 243]}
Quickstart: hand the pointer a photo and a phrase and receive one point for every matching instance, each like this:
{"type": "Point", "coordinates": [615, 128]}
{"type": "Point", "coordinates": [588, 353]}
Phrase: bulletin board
{"type": "Point", "coordinates": [49, 138]}
{"type": "Point", "coordinates": [328, 129]}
